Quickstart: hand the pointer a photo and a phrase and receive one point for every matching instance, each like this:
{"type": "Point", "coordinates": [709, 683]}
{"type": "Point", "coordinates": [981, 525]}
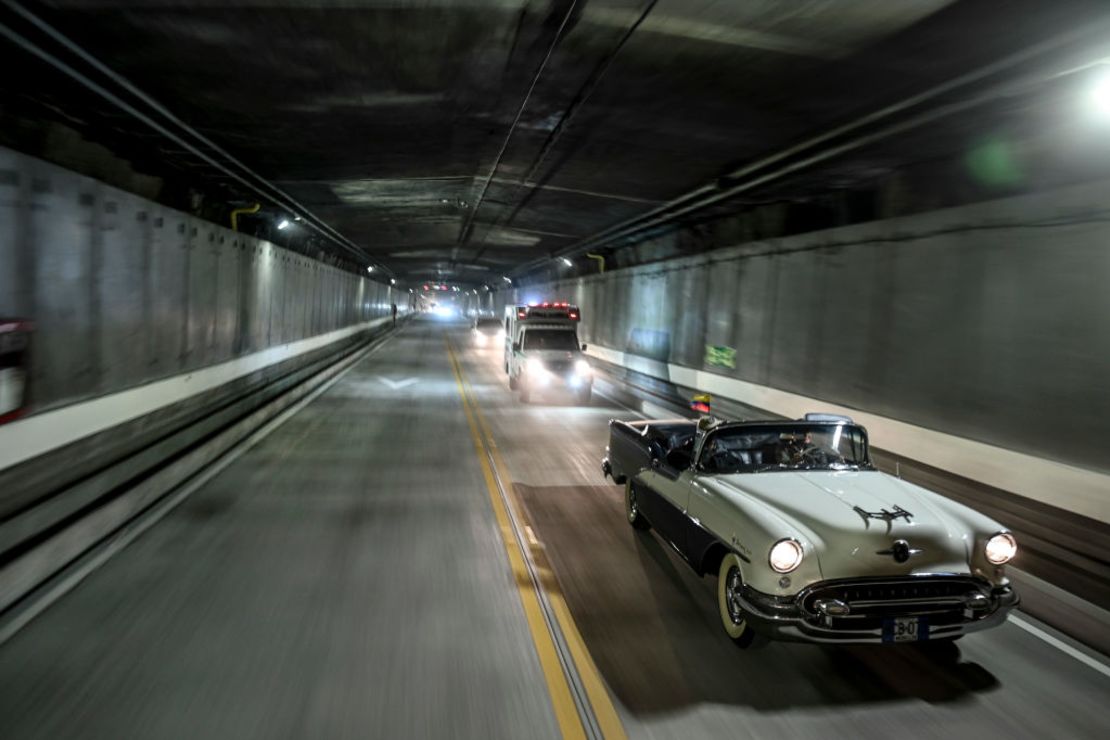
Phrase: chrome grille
{"type": "Point", "coordinates": [895, 596]}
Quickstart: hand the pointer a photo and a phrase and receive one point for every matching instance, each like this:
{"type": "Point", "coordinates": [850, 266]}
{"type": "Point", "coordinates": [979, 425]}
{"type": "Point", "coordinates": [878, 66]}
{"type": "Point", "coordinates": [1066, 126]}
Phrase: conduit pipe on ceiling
{"type": "Point", "coordinates": [468, 224]}
{"type": "Point", "coordinates": [709, 194]}
{"type": "Point", "coordinates": [260, 185]}
{"type": "Point", "coordinates": [569, 113]}
{"type": "Point", "coordinates": [238, 211]}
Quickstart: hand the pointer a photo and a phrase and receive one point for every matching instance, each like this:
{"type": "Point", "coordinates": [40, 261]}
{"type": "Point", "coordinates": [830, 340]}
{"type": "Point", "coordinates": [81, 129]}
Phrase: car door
{"type": "Point", "coordinates": [667, 500]}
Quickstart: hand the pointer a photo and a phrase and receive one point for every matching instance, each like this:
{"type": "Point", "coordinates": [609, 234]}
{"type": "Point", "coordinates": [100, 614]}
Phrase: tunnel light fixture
{"type": "Point", "coordinates": [507, 279]}
{"type": "Point", "coordinates": [284, 224]}
{"type": "Point", "coordinates": [370, 268]}
{"type": "Point", "coordinates": [567, 262]}
{"type": "Point", "coordinates": [393, 281]}
{"type": "Point", "coordinates": [1100, 95]}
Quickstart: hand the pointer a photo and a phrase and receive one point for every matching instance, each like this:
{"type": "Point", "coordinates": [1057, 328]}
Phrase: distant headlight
{"type": "Point", "coordinates": [582, 368]}
{"type": "Point", "coordinates": [786, 555]}
{"type": "Point", "coordinates": [536, 366]}
{"type": "Point", "coordinates": [480, 339]}
{"type": "Point", "coordinates": [1001, 548]}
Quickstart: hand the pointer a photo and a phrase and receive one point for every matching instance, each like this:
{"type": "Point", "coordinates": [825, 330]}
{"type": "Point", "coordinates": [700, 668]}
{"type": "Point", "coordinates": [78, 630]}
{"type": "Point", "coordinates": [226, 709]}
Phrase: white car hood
{"type": "Point", "coordinates": [820, 504]}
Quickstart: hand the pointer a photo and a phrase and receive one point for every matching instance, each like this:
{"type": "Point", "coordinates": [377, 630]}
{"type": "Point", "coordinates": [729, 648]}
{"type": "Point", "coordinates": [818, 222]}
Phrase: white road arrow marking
{"type": "Point", "coordinates": [397, 384]}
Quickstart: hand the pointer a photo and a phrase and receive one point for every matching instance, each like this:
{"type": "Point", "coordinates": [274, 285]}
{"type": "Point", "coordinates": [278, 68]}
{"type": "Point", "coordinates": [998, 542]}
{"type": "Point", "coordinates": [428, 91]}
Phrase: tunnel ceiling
{"type": "Point", "coordinates": [386, 118]}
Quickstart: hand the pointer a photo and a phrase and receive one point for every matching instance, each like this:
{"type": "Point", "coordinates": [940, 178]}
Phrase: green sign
{"type": "Point", "coordinates": [720, 355]}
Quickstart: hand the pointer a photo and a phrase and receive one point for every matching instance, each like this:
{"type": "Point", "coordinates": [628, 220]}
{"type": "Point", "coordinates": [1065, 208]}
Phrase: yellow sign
{"type": "Point", "coordinates": [720, 355]}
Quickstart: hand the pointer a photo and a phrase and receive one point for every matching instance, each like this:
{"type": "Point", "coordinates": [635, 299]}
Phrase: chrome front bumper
{"type": "Point", "coordinates": [963, 605]}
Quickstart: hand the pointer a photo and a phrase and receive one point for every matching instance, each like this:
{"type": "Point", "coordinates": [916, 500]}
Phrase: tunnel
{"type": "Point", "coordinates": [554, 369]}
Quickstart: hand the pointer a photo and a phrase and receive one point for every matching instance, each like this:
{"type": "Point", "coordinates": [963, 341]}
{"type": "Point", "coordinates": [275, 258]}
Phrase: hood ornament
{"type": "Point", "coordinates": [900, 551]}
{"type": "Point", "coordinates": [883, 514]}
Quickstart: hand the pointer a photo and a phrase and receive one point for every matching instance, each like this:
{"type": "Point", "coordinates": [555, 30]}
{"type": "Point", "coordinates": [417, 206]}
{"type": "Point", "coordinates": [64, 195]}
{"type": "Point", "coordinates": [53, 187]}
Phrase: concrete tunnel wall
{"type": "Point", "coordinates": [989, 322]}
{"type": "Point", "coordinates": [161, 342]}
{"type": "Point", "coordinates": [123, 291]}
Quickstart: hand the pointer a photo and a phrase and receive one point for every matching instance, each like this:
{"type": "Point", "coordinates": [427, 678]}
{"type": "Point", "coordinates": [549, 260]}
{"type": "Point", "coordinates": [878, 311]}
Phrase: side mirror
{"type": "Point", "coordinates": [583, 347]}
{"type": "Point", "coordinates": [516, 346]}
{"type": "Point", "coordinates": [679, 458]}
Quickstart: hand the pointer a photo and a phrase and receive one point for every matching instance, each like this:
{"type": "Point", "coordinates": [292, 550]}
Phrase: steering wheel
{"type": "Point", "coordinates": [814, 455]}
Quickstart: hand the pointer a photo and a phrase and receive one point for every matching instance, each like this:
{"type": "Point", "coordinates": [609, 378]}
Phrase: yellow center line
{"type": "Point", "coordinates": [566, 713]}
{"type": "Point", "coordinates": [606, 714]}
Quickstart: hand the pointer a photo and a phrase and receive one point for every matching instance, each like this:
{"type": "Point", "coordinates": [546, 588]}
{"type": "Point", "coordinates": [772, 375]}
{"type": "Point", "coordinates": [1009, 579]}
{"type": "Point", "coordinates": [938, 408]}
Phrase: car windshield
{"type": "Point", "coordinates": [550, 339]}
{"type": "Point", "coordinates": [788, 446]}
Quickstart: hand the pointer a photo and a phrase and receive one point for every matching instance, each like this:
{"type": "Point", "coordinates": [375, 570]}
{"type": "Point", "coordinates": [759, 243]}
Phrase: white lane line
{"type": "Point", "coordinates": [165, 505]}
{"type": "Point", "coordinates": [397, 384]}
{"type": "Point", "coordinates": [40, 433]}
{"type": "Point", "coordinates": [1062, 646]}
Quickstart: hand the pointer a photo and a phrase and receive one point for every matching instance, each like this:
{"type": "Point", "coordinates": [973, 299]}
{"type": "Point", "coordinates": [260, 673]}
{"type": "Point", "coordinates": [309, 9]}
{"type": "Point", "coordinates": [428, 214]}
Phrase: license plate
{"type": "Point", "coordinates": [905, 629]}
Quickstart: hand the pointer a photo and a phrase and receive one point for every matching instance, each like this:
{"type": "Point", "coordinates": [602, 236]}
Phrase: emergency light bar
{"type": "Point", "coordinates": [548, 310]}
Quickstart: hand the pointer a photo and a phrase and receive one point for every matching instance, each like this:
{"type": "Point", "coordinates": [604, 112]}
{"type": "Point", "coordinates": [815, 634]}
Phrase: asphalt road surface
{"type": "Point", "coordinates": [347, 577]}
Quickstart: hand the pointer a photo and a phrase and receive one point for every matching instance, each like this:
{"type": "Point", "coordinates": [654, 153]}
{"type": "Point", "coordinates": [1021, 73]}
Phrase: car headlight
{"type": "Point", "coordinates": [582, 368]}
{"type": "Point", "coordinates": [785, 556]}
{"type": "Point", "coordinates": [1001, 548]}
{"type": "Point", "coordinates": [535, 366]}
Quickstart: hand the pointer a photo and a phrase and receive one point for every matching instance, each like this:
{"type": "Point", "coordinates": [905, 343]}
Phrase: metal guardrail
{"type": "Point", "coordinates": [58, 525]}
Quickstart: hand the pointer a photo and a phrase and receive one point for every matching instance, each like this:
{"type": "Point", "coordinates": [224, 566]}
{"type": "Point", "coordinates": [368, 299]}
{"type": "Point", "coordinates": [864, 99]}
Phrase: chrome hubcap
{"type": "Point", "coordinates": [733, 584]}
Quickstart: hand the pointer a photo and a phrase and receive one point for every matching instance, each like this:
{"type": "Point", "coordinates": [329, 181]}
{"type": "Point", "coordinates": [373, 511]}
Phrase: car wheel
{"type": "Point", "coordinates": [632, 509]}
{"type": "Point", "coordinates": [584, 395]}
{"type": "Point", "coordinates": [513, 383]}
{"type": "Point", "coordinates": [730, 581]}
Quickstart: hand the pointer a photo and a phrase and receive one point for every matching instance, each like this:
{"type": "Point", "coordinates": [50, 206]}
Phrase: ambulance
{"type": "Point", "coordinates": [543, 355]}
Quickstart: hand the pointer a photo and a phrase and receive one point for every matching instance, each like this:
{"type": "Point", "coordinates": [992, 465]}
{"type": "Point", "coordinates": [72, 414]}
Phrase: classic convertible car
{"type": "Point", "coordinates": [808, 540]}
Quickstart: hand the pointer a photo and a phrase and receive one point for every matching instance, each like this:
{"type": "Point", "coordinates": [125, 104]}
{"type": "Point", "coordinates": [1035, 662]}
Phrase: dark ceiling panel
{"type": "Point", "coordinates": [384, 117]}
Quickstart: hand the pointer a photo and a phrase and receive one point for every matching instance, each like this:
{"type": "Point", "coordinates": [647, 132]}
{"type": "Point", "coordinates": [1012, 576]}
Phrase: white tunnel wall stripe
{"type": "Point", "coordinates": [41, 433]}
{"type": "Point", "coordinates": [1067, 487]}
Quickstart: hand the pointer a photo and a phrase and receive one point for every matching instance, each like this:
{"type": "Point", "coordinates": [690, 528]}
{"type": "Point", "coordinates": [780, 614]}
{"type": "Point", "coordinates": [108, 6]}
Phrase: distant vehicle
{"type": "Point", "coordinates": [808, 540]}
{"type": "Point", "coordinates": [542, 352]}
{"type": "Point", "coordinates": [489, 325]}
{"type": "Point", "coordinates": [486, 330]}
